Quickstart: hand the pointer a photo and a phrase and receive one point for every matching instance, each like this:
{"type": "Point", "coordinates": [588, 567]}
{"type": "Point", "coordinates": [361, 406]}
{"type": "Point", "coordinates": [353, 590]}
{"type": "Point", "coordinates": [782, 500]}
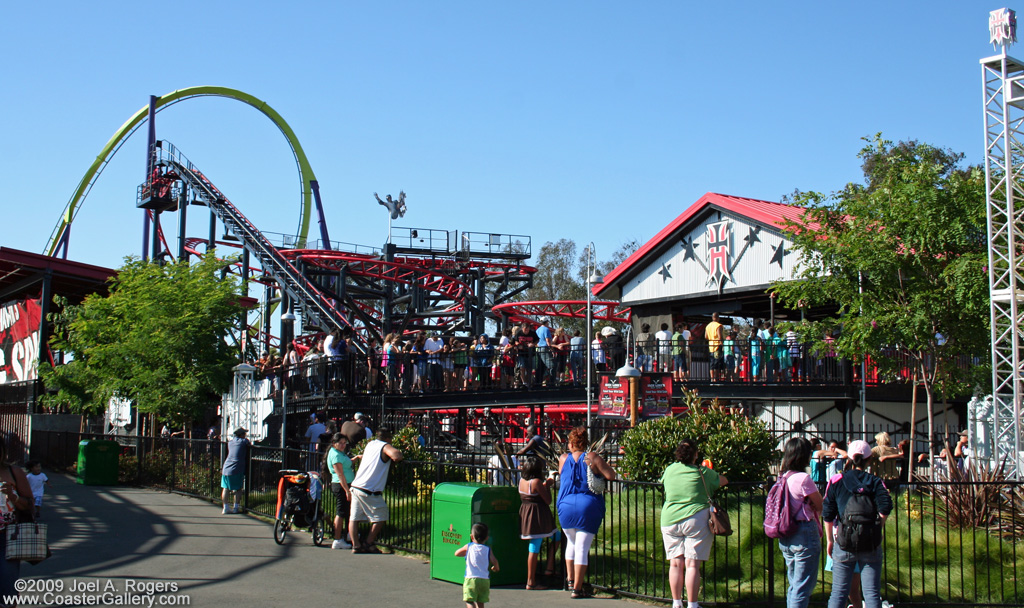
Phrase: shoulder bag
{"type": "Point", "coordinates": [26, 541]}
{"type": "Point", "coordinates": [595, 481]}
{"type": "Point", "coordinates": [719, 520]}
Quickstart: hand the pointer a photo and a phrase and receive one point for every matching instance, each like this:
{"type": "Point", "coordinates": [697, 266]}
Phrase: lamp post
{"type": "Point", "coordinates": [287, 320]}
{"type": "Point", "coordinates": [633, 375]}
{"type": "Point", "coordinates": [592, 278]}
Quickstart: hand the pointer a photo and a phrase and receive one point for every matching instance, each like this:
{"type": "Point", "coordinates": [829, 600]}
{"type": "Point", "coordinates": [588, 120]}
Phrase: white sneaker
{"type": "Point", "coordinates": [236, 509]}
{"type": "Point", "coordinates": [340, 544]}
{"type": "Point", "coordinates": [226, 510]}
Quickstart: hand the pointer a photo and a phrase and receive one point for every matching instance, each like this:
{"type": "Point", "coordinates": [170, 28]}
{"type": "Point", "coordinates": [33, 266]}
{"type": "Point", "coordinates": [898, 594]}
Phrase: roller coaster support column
{"type": "Point", "coordinates": [212, 242]}
{"type": "Point", "coordinates": [287, 327]}
{"type": "Point", "coordinates": [150, 143]}
{"type": "Point", "coordinates": [481, 299]}
{"type": "Point", "coordinates": [389, 256]}
{"type": "Point", "coordinates": [244, 327]}
{"type": "Point", "coordinates": [155, 234]}
{"type": "Point", "coordinates": [268, 293]}
{"type": "Point", "coordinates": [182, 206]}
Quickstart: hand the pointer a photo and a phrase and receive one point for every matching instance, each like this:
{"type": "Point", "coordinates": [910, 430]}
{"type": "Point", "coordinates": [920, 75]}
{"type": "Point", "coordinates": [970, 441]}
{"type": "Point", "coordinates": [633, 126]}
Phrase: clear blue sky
{"type": "Point", "coordinates": [588, 120]}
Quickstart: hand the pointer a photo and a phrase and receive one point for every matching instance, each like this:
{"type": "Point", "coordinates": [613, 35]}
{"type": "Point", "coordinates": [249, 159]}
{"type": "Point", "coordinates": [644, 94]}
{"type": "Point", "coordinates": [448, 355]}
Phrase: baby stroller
{"type": "Point", "coordinates": [298, 505]}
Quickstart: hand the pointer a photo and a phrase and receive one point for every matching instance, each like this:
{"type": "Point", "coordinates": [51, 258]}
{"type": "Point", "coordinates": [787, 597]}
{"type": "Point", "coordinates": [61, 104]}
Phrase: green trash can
{"type": "Point", "coordinates": [98, 462]}
{"type": "Point", "coordinates": [456, 507]}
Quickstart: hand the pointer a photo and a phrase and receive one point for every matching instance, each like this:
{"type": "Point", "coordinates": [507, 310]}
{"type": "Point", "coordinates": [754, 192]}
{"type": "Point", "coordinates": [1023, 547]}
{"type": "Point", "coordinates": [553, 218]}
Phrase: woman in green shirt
{"type": "Point", "coordinates": [685, 520]}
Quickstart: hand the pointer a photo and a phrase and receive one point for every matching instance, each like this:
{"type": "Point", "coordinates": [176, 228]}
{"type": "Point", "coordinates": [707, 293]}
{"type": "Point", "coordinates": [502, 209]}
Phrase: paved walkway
{"type": "Point", "coordinates": [117, 534]}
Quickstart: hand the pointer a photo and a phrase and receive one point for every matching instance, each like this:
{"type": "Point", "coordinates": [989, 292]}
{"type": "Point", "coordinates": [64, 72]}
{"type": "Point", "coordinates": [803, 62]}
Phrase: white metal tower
{"type": "Point", "coordinates": [1003, 78]}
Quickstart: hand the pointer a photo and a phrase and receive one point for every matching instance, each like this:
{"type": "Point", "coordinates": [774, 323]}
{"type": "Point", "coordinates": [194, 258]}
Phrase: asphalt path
{"type": "Point", "coordinates": [115, 544]}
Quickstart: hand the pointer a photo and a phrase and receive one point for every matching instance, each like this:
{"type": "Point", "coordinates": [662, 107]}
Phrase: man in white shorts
{"type": "Point", "coordinates": [368, 491]}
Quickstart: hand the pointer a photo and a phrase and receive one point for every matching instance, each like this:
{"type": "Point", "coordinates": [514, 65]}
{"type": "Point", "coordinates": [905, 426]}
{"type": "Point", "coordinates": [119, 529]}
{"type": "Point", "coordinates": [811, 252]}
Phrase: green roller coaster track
{"type": "Point", "coordinates": [125, 131]}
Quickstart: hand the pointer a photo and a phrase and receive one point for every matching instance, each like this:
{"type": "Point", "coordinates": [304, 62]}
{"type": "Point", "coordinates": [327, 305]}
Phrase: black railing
{"type": "Point", "coordinates": [945, 543]}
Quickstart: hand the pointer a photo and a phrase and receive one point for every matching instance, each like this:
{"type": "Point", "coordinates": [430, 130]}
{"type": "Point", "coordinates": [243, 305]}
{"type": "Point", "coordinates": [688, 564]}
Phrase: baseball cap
{"type": "Point", "coordinates": [240, 431]}
{"type": "Point", "coordinates": [359, 416]}
{"type": "Point", "coordinates": [859, 448]}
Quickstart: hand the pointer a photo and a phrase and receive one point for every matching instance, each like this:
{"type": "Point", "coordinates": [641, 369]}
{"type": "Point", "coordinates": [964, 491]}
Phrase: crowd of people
{"type": "Point", "coordinates": [531, 356]}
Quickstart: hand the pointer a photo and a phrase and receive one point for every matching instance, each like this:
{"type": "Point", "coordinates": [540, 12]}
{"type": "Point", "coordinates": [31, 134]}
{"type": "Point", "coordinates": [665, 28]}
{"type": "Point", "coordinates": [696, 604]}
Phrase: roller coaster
{"type": "Point", "coordinates": [420, 280]}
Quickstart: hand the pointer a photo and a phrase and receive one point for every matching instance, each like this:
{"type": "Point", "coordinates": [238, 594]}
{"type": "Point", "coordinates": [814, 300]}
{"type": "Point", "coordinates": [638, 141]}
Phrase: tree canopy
{"type": "Point", "coordinates": [158, 339]}
{"type": "Point", "coordinates": [902, 258]}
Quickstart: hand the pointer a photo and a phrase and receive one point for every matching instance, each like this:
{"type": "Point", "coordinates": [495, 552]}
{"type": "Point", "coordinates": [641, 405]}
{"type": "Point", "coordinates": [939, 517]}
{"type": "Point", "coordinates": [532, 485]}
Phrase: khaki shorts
{"type": "Point", "coordinates": [690, 538]}
{"type": "Point", "coordinates": [367, 507]}
{"type": "Point", "coordinates": [476, 590]}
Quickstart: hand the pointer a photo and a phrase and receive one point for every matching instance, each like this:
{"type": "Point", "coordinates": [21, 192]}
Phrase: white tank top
{"type": "Point", "coordinates": [478, 561]}
{"type": "Point", "coordinates": [373, 471]}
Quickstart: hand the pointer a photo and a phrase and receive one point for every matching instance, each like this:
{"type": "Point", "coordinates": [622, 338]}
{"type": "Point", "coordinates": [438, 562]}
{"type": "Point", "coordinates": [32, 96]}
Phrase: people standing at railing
{"type": "Point", "coordinates": [663, 341]}
{"type": "Point", "coordinates": [290, 368]}
{"type": "Point", "coordinates": [457, 354]}
{"type": "Point", "coordinates": [681, 352]}
{"type": "Point", "coordinates": [313, 368]}
{"type": "Point", "coordinates": [560, 353]}
{"type": "Point", "coordinates": [433, 346]}
{"type": "Point", "coordinates": [820, 461]}
{"type": "Point", "coordinates": [368, 491]}
{"type": "Point", "coordinates": [782, 354]}
{"type": "Point", "coordinates": [884, 458]}
{"type": "Point", "coordinates": [535, 520]}
{"type": "Point", "coordinates": [373, 355]}
{"type": "Point", "coordinates": [546, 366]}
{"type": "Point", "coordinates": [614, 348]}
{"type": "Point", "coordinates": [772, 343]}
{"type": "Point", "coordinates": [797, 372]}
{"type": "Point", "coordinates": [598, 355]}
{"type": "Point", "coordinates": [685, 520]}
{"type": "Point", "coordinates": [483, 355]}
{"type": "Point", "coordinates": [730, 349]}
{"type": "Point", "coordinates": [715, 335]}
{"type": "Point", "coordinates": [845, 559]}
{"type": "Point", "coordinates": [577, 357]}
{"type": "Point", "coordinates": [525, 340]}
{"type": "Point", "coordinates": [408, 364]}
{"type": "Point", "coordinates": [507, 354]}
{"type": "Point", "coordinates": [313, 431]}
{"type": "Point", "coordinates": [642, 357]}
{"type": "Point", "coordinates": [580, 510]}
{"type": "Point", "coordinates": [756, 348]}
{"type": "Point", "coordinates": [802, 548]}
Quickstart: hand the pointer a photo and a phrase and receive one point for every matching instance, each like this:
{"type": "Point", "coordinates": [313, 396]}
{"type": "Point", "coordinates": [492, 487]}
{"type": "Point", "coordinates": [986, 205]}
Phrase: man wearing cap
{"type": "Point", "coordinates": [316, 428]}
{"type": "Point", "coordinates": [525, 340]}
{"type": "Point", "coordinates": [232, 478]}
{"type": "Point", "coordinates": [368, 491]}
{"type": "Point", "coordinates": [355, 429]}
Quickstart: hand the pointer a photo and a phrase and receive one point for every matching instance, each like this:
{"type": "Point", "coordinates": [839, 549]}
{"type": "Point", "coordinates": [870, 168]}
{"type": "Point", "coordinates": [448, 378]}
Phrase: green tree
{"type": "Point", "coordinates": [902, 257]}
{"type": "Point", "coordinates": [158, 339]}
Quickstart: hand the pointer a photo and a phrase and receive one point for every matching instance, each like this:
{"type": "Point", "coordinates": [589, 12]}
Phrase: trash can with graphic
{"type": "Point", "coordinates": [456, 507]}
{"type": "Point", "coordinates": [98, 462]}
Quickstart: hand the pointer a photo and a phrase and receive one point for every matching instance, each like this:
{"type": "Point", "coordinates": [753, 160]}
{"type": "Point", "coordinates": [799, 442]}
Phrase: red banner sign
{"type": "Point", "coordinates": [657, 395]}
{"type": "Point", "coordinates": [613, 398]}
{"type": "Point", "coordinates": [19, 340]}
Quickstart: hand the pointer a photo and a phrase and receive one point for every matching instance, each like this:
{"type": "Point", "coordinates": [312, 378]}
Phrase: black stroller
{"type": "Point", "coordinates": [298, 505]}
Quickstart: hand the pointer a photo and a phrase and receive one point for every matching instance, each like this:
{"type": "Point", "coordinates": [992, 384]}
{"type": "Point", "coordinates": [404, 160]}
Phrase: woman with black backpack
{"type": "Point", "coordinates": [859, 503]}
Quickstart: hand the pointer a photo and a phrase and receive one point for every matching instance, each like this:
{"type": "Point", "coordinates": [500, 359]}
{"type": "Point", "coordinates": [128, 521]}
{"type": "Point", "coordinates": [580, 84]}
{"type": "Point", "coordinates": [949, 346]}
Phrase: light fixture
{"type": "Point", "coordinates": [288, 317]}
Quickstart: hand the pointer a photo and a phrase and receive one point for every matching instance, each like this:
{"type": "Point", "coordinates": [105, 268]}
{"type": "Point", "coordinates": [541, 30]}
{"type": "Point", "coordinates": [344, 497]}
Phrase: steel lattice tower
{"type": "Point", "coordinates": [1003, 78]}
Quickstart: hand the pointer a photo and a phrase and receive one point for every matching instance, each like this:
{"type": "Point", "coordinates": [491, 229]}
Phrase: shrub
{"type": "Point", "coordinates": [740, 448]}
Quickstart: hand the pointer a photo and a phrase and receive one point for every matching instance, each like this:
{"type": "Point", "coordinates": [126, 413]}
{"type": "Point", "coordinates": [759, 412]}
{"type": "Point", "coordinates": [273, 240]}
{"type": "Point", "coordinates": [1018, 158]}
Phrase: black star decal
{"type": "Point", "coordinates": [665, 274]}
{"type": "Point", "coordinates": [752, 237]}
{"type": "Point", "coordinates": [777, 254]}
{"type": "Point", "coordinates": [688, 248]}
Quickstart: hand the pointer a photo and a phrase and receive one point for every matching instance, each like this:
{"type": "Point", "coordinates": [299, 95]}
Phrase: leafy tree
{"type": "Point", "coordinates": [739, 447]}
{"type": "Point", "coordinates": [903, 259]}
{"type": "Point", "coordinates": [157, 339]}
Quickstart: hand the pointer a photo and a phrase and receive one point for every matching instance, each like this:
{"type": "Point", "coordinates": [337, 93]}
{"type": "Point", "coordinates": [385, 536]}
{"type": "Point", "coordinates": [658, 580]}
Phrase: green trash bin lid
{"type": "Point", "coordinates": [483, 498]}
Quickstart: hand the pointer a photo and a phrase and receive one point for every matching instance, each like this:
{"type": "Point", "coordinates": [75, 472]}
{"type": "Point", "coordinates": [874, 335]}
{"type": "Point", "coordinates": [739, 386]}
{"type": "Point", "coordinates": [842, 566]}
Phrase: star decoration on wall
{"type": "Point", "coordinates": [665, 274]}
{"type": "Point", "coordinates": [752, 237]}
{"type": "Point", "coordinates": [688, 248]}
{"type": "Point", "coordinates": [777, 254]}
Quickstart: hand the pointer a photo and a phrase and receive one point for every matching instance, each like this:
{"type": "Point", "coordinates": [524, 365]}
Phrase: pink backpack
{"type": "Point", "coordinates": [778, 517]}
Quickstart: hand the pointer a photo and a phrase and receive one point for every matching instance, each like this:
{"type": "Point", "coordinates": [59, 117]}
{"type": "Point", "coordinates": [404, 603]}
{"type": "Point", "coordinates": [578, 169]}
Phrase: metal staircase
{"type": "Point", "coordinates": [316, 309]}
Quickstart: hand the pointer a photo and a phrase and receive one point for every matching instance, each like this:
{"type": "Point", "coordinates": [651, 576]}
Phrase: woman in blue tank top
{"type": "Point", "coordinates": [580, 511]}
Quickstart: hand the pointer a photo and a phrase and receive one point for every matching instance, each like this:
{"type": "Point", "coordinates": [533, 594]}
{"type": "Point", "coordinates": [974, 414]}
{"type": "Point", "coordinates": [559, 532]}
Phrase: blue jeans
{"type": "Point", "coordinates": [843, 564]}
{"type": "Point", "coordinates": [9, 571]}
{"type": "Point", "coordinates": [802, 552]}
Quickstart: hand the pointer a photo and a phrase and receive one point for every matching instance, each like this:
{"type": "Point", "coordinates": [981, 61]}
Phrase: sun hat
{"type": "Point", "coordinates": [859, 448]}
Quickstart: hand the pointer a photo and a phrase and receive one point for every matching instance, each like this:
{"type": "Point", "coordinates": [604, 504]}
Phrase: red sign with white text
{"type": "Point", "coordinates": [19, 340]}
{"type": "Point", "coordinates": [657, 395]}
{"type": "Point", "coordinates": [613, 398]}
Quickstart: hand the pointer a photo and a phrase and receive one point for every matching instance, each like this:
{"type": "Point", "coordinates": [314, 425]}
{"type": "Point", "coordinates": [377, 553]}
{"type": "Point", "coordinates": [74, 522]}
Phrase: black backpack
{"type": "Point", "coordinates": [860, 525]}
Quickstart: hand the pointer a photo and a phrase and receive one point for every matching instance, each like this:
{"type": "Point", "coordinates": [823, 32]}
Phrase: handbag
{"type": "Point", "coordinates": [595, 481]}
{"type": "Point", "coordinates": [719, 520]}
{"type": "Point", "coordinates": [27, 542]}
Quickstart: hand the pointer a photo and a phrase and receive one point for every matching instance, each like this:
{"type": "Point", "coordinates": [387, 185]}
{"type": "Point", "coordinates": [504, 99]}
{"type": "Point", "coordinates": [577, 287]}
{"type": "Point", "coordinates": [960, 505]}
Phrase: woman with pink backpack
{"type": "Point", "coordinates": [799, 528]}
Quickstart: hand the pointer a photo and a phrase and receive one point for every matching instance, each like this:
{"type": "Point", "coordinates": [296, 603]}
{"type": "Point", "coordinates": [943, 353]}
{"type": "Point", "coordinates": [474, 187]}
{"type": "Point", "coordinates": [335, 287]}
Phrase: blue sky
{"type": "Point", "coordinates": [586, 120]}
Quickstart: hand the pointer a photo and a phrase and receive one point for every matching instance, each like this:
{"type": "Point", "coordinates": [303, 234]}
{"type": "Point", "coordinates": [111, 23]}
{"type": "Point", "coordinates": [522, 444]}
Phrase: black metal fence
{"type": "Point", "coordinates": [945, 543]}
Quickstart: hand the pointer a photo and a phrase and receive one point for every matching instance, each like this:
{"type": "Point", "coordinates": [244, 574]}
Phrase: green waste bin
{"type": "Point", "coordinates": [97, 462]}
{"type": "Point", "coordinates": [456, 507]}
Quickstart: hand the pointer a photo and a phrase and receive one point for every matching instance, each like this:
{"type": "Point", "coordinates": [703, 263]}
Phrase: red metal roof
{"type": "Point", "coordinates": [763, 212]}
